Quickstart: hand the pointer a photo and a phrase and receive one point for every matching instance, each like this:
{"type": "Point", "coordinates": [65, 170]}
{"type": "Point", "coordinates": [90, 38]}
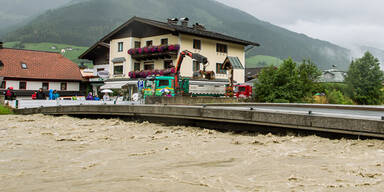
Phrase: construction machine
{"type": "Point", "coordinates": [176, 85]}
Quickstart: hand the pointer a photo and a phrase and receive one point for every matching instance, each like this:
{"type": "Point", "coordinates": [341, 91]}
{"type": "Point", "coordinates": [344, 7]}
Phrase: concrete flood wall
{"type": "Point", "coordinates": [185, 100]}
{"type": "Point", "coordinates": [350, 126]}
{"type": "Point", "coordinates": [303, 105]}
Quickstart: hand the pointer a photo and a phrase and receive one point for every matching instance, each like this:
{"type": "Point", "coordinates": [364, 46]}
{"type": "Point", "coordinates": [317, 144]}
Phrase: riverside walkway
{"type": "Point", "coordinates": [336, 119]}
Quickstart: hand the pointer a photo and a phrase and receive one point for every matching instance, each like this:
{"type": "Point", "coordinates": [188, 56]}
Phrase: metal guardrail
{"type": "Point", "coordinates": [27, 104]}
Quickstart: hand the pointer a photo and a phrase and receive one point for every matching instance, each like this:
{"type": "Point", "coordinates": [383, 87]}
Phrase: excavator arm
{"type": "Point", "coordinates": [195, 56]}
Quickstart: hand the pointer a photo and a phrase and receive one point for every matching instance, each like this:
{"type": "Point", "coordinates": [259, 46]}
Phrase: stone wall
{"type": "Point", "coordinates": [222, 116]}
{"type": "Point", "coordinates": [185, 100]}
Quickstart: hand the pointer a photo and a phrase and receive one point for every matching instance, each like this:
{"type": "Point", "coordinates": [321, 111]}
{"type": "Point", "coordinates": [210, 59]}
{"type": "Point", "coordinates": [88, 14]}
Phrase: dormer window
{"type": "Point", "coordinates": [24, 66]}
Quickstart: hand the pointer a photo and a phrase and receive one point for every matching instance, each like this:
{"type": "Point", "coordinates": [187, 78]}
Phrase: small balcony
{"type": "Point", "coordinates": [154, 52]}
{"type": "Point", "coordinates": [147, 73]}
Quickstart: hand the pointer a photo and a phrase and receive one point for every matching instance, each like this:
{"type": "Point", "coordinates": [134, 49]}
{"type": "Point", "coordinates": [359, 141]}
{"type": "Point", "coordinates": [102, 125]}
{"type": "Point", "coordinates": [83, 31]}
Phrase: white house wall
{"type": "Point", "coordinates": [114, 53]}
{"type": "Point", "coordinates": [129, 43]}
{"type": "Point", "coordinates": [96, 67]}
{"type": "Point", "coordinates": [36, 85]}
{"type": "Point", "coordinates": [14, 84]}
{"type": "Point", "coordinates": [208, 49]}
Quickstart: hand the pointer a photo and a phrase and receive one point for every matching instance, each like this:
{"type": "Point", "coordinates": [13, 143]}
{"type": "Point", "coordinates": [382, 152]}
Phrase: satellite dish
{"type": "Point", "coordinates": [103, 74]}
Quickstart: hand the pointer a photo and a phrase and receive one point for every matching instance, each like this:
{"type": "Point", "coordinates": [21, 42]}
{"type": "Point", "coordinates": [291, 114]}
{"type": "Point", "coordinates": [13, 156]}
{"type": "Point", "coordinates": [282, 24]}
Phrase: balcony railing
{"type": "Point", "coordinates": [154, 52]}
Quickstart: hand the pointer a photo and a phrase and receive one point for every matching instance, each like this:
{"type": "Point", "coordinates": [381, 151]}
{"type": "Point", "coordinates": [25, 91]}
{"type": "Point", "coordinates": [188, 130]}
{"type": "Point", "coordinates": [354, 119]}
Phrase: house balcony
{"type": "Point", "coordinates": [154, 52]}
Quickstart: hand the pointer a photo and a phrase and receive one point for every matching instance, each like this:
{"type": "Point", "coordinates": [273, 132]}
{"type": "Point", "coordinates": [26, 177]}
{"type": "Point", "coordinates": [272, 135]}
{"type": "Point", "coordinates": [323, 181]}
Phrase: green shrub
{"type": "Point", "coordinates": [324, 87]}
{"type": "Point", "coordinates": [280, 101]}
{"type": "Point", "coordinates": [5, 110]}
{"type": "Point", "coordinates": [337, 97]}
{"type": "Point", "coordinates": [288, 83]}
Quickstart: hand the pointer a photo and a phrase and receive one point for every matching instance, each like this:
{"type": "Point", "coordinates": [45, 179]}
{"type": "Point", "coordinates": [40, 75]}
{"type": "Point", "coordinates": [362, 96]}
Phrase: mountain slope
{"type": "Point", "coordinates": [85, 22]}
{"type": "Point", "coordinates": [15, 12]}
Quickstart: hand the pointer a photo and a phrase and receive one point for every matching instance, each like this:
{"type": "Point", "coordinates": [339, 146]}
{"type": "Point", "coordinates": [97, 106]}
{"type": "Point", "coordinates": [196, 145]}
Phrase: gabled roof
{"type": "Point", "coordinates": [39, 65]}
{"type": "Point", "coordinates": [175, 29]}
{"type": "Point", "coordinates": [234, 62]}
{"type": "Point", "coordinates": [334, 76]}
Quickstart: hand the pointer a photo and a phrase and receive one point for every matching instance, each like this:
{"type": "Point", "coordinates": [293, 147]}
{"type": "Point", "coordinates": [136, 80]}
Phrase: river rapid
{"type": "Point", "coordinates": [46, 153]}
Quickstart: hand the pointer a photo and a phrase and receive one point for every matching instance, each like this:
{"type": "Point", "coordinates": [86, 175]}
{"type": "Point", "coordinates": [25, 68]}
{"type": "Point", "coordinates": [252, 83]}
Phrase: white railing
{"type": "Point", "coordinates": [24, 104]}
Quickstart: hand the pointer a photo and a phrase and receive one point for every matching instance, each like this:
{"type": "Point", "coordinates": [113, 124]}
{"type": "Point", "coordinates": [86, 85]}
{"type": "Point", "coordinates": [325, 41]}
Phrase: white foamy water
{"type": "Point", "coordinates": [45, 153]}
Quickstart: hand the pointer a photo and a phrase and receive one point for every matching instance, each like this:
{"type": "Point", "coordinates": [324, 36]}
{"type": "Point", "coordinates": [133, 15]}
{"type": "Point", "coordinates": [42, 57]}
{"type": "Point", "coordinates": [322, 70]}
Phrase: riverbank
{"type": "Point", "coordinates": [5, 110]}
{"type": "Point", "coordinates": [47, 153]}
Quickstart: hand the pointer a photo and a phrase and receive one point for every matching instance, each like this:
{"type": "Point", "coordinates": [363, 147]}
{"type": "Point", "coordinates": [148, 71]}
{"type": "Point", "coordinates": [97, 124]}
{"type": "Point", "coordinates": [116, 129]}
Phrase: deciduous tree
{"type": "Point", "coordinates": [288, 83]}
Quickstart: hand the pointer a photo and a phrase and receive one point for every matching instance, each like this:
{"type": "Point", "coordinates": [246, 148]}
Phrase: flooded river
{"type": "Point", "coordinates": [45, 153]}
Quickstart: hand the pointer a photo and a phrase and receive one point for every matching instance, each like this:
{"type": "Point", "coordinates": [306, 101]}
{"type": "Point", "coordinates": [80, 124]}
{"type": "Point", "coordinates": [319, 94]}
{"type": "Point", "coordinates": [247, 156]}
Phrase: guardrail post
{"type": "Point", "coordinates": [17, 104]}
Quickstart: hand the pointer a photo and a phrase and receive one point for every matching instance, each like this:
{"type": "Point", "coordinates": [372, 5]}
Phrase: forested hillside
{"type": "Point", "coordinates": [14, 13]}
{"type": "Point", "coordinates": [85, 22]}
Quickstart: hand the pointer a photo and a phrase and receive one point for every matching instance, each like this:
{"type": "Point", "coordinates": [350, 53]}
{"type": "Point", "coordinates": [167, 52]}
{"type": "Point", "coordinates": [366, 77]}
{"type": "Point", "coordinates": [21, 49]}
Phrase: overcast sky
{"type": "Point", "coordinates": [345, 22]}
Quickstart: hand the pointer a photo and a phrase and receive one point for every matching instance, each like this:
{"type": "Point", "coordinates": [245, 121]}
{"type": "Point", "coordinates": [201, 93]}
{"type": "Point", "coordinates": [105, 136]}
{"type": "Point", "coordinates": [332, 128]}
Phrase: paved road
{"type": "Point", "coordinates": [361, 114]}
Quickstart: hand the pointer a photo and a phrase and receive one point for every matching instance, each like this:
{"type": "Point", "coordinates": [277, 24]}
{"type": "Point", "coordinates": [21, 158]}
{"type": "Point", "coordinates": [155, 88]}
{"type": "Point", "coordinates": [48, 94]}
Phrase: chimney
{"type": "Point", "coordinates": [184, 21]}
{"type": "Point", "coordinates": [173, 21]}
{"type": "Point", "coordinates": [1, 45]}
{"type": "Point", "coordinates": [199, 27]}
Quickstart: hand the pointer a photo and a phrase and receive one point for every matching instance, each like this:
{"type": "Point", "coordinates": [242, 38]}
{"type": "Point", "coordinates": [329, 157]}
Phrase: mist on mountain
{"type": "Point", "coordinates": [83, 22]}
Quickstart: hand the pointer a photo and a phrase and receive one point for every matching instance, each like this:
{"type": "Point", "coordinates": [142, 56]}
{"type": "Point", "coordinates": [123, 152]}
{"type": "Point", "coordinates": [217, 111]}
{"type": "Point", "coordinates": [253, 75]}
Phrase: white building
{"type": "Point", "coordinates": [27, 71]}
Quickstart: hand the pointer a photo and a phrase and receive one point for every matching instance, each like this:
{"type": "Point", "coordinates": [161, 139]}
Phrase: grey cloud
{"type": "Point", "coordinates": [344, 22]}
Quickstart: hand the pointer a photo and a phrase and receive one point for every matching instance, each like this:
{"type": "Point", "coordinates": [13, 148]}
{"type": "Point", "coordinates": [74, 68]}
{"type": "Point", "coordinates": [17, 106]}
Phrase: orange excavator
{"type": "Point", "coordinates": [195, 56]}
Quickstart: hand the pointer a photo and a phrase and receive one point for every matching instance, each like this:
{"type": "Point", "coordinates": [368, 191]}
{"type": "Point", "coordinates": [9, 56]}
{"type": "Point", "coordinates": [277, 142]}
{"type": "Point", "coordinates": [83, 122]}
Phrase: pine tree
{"type": "Point", "coordinates": [364, 80]}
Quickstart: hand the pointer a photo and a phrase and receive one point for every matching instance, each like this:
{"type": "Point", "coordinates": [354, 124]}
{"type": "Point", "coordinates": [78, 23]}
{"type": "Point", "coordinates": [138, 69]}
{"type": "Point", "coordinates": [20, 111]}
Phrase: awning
{"type": "Point", "coordinates": [113, 85]}
{"type": "Point", "coordinates": [134, 82]}
{"type": "Point", "coordinates": [232, 62]}
{"type": "Point", "coordinates": [118, 84]}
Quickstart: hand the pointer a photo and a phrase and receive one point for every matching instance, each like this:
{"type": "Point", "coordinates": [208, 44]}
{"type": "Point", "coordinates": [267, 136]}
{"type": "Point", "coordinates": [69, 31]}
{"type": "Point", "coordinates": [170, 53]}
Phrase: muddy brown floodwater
{"type": "Point", "coordinates": [45, 153]}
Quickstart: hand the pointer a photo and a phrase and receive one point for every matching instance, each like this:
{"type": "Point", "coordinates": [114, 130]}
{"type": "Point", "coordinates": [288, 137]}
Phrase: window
{"type": "Point", "coordinates": [137, 67]}
{"type": "Point", "coordinates": [22, 85]}
{"type": "Point", "coordinates": [63, 86]}
{"type": "Point", "coordinates": [120, 47]}
{"type": "Point", "coordinates": [24, 66]}
{"type": "Point", "coordinates": [149, 83]}
{"type": "Point", "coordinates": [118, 70]}
{"type": "Point", "coordinates": [196, 66]}
{"type": "Point", "coordinates": [164, 41]}
{"type": "Point", "coordinates": [221, 48]}
{"type": "Point", "coordinates": [3, 85]}
{"type": "Point", "coordinates": [149, 43]}
{"type": "Point", "coordinates": [196, 44]}
{"type": "Point", "coordinates": [45, 86]}
{"type": "Point", "coordinates": [163, 83]}
{"type": "Point", "coordinates": [137, 44]}
{"type": "Point", "coordinates": [241, 89]}
{"type": "Point", "coordinates": [168, 64]}
{"type": "Point", "coordinates": [219, 69]}
{"type": "Point", "coordinates": [149, 66]}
